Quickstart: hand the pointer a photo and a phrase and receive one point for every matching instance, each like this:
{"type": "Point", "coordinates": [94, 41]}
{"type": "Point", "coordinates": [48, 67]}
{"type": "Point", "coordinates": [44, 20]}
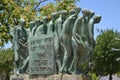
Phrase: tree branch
{"type": "Point", "coordinates": [39, 4]}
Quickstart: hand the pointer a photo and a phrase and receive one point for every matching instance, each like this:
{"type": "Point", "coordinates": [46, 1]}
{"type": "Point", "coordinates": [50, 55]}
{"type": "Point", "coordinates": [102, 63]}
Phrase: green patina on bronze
{"type": "Point", "coordinates": [41, 54]}
{"type": "Point", "coordinates": [62, 45]}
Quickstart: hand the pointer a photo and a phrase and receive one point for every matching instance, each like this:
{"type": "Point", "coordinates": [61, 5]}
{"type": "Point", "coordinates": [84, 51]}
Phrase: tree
{"type": "Point", "coordinates": [10, 13]}
{"type": "Point", "coordinates": [6, 62]}
{"type": "Point", "coordinates": [60, 5]}
{"type": "Point", "coordinates": [106, 54]}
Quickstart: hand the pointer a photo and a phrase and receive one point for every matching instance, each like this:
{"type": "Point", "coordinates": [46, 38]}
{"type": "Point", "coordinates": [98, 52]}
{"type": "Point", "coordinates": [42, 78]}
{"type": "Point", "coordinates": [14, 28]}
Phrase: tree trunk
{"type": "Point", "coordinates": [110, 77]}
{"type": "Point", "coordinates": [110, 72]}
{"type": "Point", "coordinates": [7, 77]}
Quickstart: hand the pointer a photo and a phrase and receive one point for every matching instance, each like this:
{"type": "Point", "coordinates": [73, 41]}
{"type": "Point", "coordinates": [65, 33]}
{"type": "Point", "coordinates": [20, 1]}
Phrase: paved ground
{"type": "Point", "coordinates": [107, 77]}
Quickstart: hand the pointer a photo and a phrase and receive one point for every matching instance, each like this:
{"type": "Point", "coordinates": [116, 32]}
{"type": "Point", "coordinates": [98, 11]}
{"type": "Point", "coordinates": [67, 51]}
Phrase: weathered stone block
{"type": "Point", "coordinates": [72, 77]}
{"type": "Point", "coordinates": [57, 77]}
{"type": "Point", "coordinates": [49, 77]}
{"type": "Point", "coordinates": [19, 77]}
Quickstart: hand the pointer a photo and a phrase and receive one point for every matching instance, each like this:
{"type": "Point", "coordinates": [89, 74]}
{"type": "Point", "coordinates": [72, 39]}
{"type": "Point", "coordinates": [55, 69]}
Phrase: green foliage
{"type": "Point", "coordinates": [118, 74]}
{"type": "Point", "coordinates": [105, 60]}
{"type": "Point", "coordinates": [60, 5]}
{"type": "Point", "coordinates": [6, 61]}
{"type": "Point", "coordinates": [65, 5]}
{"type": "Point", "coordinates": [10, 13]}
{"type": "Point", "coordinates": [47, 10]}
{"type": "Point", "coordinates": [94, 76]}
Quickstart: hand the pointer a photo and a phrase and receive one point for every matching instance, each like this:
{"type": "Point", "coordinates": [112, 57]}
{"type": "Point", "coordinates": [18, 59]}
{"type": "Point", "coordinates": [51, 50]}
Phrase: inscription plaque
{"type": "Point", "coordinates": [41, 53]}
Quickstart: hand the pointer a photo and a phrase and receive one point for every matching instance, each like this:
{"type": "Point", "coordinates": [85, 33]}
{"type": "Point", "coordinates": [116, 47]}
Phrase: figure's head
{"type": "Point", "coordinates": [91, 14]}
{"type": "Point", "coordinates": [32, 24]}
{"type": "Point", "coordinates": [54, 16]}
{"type": "Point", "coordinates": [37, 21]}
{"type": "Point", "coordinates": [22, 21]}
{"type": "Point", "coordinates": [63, 13]}
{"type": "Point", "coordinates": [45, 19]}
{"type": "Point", "coordinates": [85, 12]}
{"type": "Point", "coordinates": [97, 19]}
{"type": "Point", "coordinates": [72, 11]}
{"type": "Point", "coordinates": [77, 10]}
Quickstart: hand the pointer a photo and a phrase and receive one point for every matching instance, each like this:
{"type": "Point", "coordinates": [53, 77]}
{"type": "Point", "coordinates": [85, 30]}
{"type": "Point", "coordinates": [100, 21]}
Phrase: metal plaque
{"type": "Point", "coordinates": [41, 53]}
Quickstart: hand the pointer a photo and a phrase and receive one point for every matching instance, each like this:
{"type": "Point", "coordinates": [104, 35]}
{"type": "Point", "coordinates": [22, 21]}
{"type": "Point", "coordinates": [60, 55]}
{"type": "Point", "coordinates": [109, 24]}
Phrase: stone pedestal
{"type": "Point", "coordinates": [72, 77]}
{"type": "Point", "coordinates": [41, 77]}
{"type": "Point", "coordinates": [76, 77]}
{"type": "Point", "coordinates": [19, 77]}
{"type": "Point", "coordinates": [57, 77]}
{"type": "Point", "coordinates": [60, 77]}
{"type": "Point", "coordinates": [50, 77]}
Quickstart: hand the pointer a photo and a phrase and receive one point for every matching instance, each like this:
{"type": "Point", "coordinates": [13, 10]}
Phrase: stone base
{"type": "Point", "coordinates": [60, 77]}
{"type": "Point", "coordinates": [19, 77]}
{"type": "Point", "coordinates": [76, 77]}
{"type": "Point", "coordinates": [41, 77]}
{"type": "Point", "coordinates": [50, 77]}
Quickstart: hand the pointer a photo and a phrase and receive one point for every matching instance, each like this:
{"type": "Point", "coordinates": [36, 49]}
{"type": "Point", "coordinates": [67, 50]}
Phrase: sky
{"type": "Point", "coordinates": [109, 10]}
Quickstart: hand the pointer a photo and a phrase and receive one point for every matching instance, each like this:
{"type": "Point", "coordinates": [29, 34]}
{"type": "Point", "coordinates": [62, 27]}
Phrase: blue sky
{"type": "Point", "coordinates": [108, 9]}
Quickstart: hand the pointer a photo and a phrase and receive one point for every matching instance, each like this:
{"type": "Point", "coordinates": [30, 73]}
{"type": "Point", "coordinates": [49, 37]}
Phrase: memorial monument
{"type": "Point", "coordinates": [59, 49]}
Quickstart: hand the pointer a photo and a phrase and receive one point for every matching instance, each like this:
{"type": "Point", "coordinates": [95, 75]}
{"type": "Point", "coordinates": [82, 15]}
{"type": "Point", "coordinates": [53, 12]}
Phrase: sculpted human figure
{"type": "Point", "coordinates": [68, 27]}
{"type": "Point", "coordinates": [51, 25]}
{"type": "Point", "coordinates": [26, 61]}
{"type": "Point", "coordinates": [93, 21]}
{"type": "Point", "coordinates": [84, 28]}
{"type": "Point", "coordinates": [58, 28]}
{"type": "Point", "coordinates": [31, 25]}
{"type": "Point", "coordinates": [77, 42]}
{"type": "Point", "coordinates": [90, 42]}
{"type": "Point", "coordinates": [60, 21]}
{"type": "Point", "coordinates": [81, 44]}
{"type": "Point", "coordinates": [20, 45]}
{"type": "Point", "coordinates": [37, 23]}
{"type": "Point", "coordinates": [63, 39]}
{"type": "Point", "coordinates": [29, 32]}
{"type": "Point", "coordinates": [85, 59]}
{"type": "Point", "coordinates": [42, 28]}
{"type": "Point", "coordinates": [75, 45]}
{"type": "Point", "coordinates": [45, 24]}
{"type": "Point", "coordinates": [91, 28]}
{"type": "Point", "coordinates": [62, 34]}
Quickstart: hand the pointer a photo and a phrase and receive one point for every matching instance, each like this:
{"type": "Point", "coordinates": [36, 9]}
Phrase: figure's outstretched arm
{"type": "Point", "coordinates": [77, 36]}
{"type": "Point", "coordinates": [79, 39]}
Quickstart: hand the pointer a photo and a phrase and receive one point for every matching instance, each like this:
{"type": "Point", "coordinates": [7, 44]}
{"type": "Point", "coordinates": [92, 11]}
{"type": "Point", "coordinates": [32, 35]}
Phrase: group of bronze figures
{"type": "Point", "coordinates": [73, 39]}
